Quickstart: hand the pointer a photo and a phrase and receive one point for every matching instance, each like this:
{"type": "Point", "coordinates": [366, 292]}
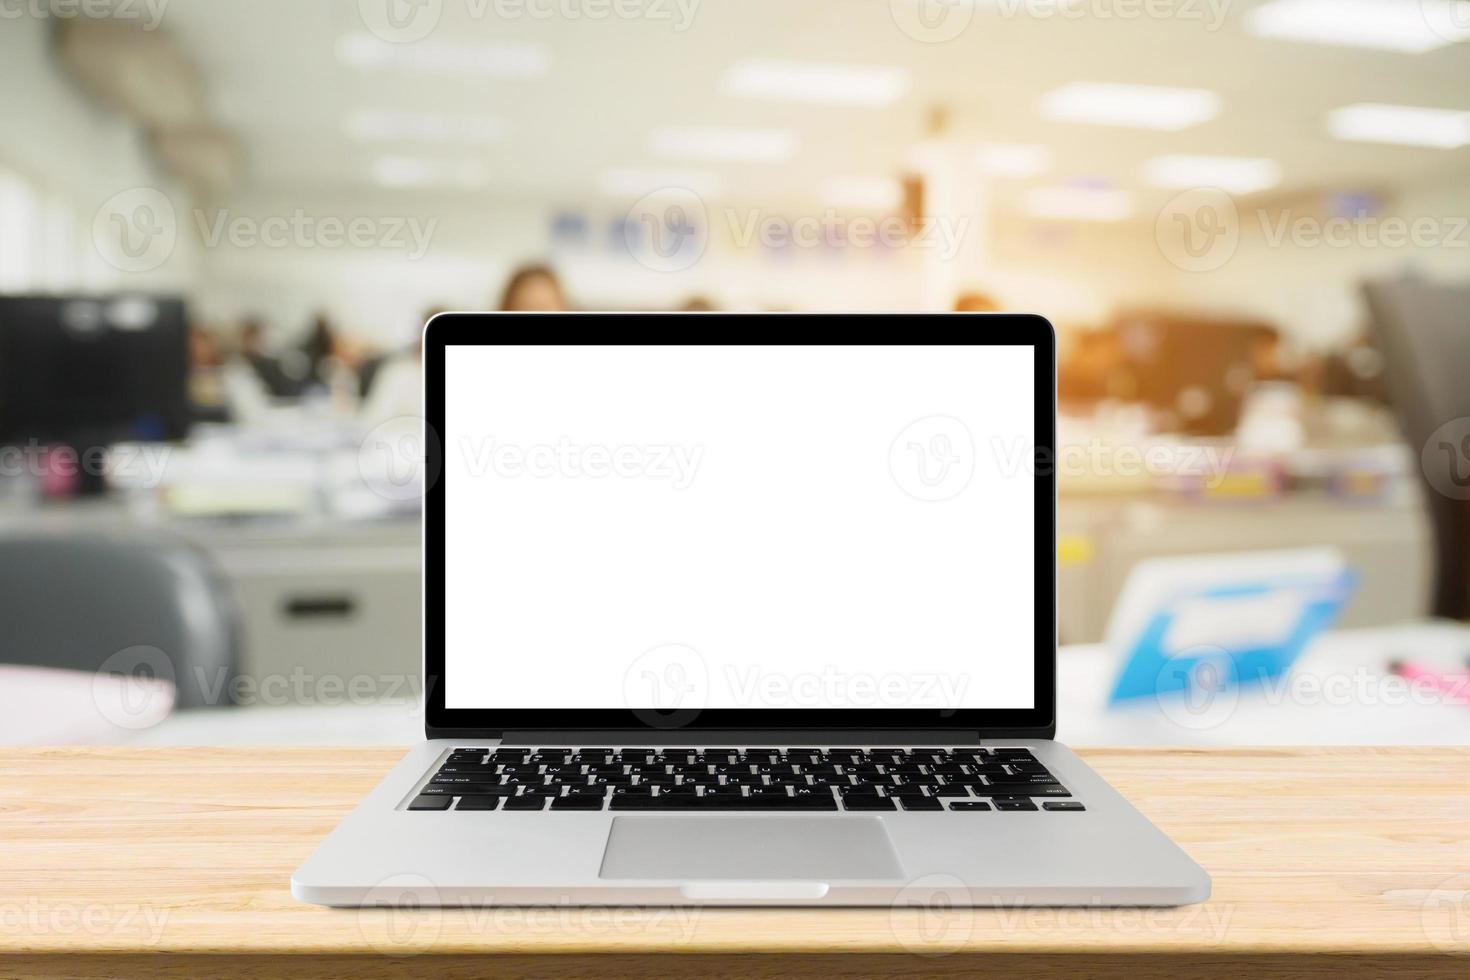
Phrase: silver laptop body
{"type": "Point", "coordinates": [735, 611]}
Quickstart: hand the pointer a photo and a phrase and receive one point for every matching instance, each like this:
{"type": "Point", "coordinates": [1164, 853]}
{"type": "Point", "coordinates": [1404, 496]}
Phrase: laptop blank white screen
{"type": "Point", "coordinates": [657, 527]}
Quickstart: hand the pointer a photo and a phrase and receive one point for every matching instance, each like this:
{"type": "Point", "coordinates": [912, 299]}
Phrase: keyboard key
{"type": "Point", "coordinates": [457, 780]}
{"type": "Point", "coordinates": [864, 801]}
{"type": "Point", "coordinates": [473, 789]}
{"type": "Point", "coordinates": [1012, 803]}
{"type": "Point", "coordinates": [921, 803]}
{"type": "Point", "coordinates": [722, 803]}
{"type": "Point", "coordinates": [431, 803]}
{"type": "Point", "coordinates": [950, 791]}
{"type": "Point", "coordinates": [478, 803]}
{"type": "Point", "coordinates": [1018, 780]}
{"type": "Point", "coordinates": [1066, 805]}
{"type": "Point", "coordinates": [969, 805]}
{"type": "Point", "coordinates": [1017, 790]}
{"type": "Point", "coordinates": [597, 791]}
{"type": "Point", "coordinates": [577, 802]}
{"type": "Point", "coordinates": [525, 803]}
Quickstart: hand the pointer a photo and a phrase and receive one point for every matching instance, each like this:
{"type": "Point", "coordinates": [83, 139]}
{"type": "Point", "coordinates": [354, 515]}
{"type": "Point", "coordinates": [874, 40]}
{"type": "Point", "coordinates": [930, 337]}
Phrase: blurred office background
{"type": "Point", "coordinates": [222, 226]}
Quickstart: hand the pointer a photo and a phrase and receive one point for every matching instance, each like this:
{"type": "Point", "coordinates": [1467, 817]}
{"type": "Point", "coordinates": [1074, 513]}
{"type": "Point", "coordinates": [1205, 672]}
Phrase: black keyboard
{"type": "Point", "coordinates": [868, 780]}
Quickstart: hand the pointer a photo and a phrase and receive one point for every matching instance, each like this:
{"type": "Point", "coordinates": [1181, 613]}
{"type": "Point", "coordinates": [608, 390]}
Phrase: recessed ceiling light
{"type": "Point", "coordinates": [816, 82]}
{"type": "Point", "coordinates": [384, 125]}
{"type": "Point", "coordinates": [633, 182]}
{"type": "Point", "coordinates": [862, 193]}
{"type": "Point", "coordinates": [1078, 204]}
{"type": "Point", "coordinates": [404, 172]}
{"type": "Point", "coordinates": [1236, 175]}
{"type": "Point", "coordinates": [1139, 106]}
{"type": "Point", "coordinates": [1013, 159]}
{"type": "Point", "coordinates": [1405, 125]}
{"type": "Point", "coordinates": [1388, 25]}
{"type": "Point", "coordinates": [477, 59]}
{"type": "Point", "coordinates": [724, 143]}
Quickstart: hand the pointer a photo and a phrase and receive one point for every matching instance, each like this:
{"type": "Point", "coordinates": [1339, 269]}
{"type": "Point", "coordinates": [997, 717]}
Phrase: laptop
{"type": "Point", "coordinates": [741, 610]}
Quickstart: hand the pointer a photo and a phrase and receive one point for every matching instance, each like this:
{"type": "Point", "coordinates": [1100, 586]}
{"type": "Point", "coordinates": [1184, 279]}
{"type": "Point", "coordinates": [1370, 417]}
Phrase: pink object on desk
{"type": "Point", "coordinates": [1454, 685]}
{"type": "Point", "coordinates": [45, 706]}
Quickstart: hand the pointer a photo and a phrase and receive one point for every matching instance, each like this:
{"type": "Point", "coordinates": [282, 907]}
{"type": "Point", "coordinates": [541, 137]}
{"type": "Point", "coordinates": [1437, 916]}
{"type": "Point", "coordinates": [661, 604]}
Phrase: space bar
{"type": "Point", "coordinates": [683, 802]}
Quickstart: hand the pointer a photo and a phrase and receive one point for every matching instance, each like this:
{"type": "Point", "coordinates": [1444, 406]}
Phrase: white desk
{"type": "Point", "coordinates": [1340, 692]}
{"type": "Point", "coordinates": [1320, 705]}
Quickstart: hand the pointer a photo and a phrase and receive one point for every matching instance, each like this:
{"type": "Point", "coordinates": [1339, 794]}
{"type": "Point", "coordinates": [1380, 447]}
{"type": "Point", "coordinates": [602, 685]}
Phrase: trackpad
{"type": "Point", "coordinates": [749, 849]}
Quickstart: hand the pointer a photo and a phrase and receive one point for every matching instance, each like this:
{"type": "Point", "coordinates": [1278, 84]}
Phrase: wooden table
{"type": "Point", "coordinates": [175, 863]}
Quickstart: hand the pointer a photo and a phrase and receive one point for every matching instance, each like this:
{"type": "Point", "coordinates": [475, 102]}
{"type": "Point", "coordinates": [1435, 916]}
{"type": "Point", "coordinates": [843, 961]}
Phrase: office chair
{"type": "Point", "coordinates": [122, 604]}
{"type": "Point", "coordinates": [1423, 330]}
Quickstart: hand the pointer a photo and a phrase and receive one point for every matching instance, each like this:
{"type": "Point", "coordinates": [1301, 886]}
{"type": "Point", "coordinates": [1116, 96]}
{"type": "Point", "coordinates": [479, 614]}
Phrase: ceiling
{"type": "Point", "coordinates": [274, 77]}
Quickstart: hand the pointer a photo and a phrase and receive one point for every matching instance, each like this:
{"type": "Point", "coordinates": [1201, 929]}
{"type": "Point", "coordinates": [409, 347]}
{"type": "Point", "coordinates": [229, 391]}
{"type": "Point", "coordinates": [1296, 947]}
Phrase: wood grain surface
{"type": "Point", "coordinates": [176, 862]}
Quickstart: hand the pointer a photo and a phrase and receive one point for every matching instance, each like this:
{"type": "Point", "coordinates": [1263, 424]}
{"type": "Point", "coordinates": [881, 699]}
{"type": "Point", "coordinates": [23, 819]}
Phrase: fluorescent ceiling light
{"type": "Point", "coordinates": [382, 125]}
{"type": "Point", "coordinates": [862, 193]}
{"type": "Point", "coordinates": [1235, 175]}
{"type": "Point", "coordinates": [724, 143]}
{"type": "Point", "coordinates": [1013, 159]}
{"type": "Point", "coordinates": [1078, 204]}
{"type": "Point", "coordinates": [1139, 106]}
{"type": "Point", "coordinates": [816, 82]}
{"type": "Point", "coordinates": [1405, 125]}
{"type": "Point", "coordinates": [1388, 25]}
{"type": "Point", "coordinates": [632, 182]}
{"type": "Point", "coordinates": [476, 59]}
{"type": "Point", "coordinates": [406, 172]}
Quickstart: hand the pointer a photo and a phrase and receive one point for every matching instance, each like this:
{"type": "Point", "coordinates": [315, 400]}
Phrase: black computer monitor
{"type": "Point", "coordinates": [89, 371]}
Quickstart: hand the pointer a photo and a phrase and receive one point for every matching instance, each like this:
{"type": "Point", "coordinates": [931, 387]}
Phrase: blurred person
{"type": "Point", "coordinates": [976, 302]}
{"type": "Point", "coordinates": [533, 288]}
{"type": "Point", "coordinates": [267, 368]}
{"type": "Point", "coordinates": [397, 390]}
{"type": "Point", "coordinates": [206, 376]}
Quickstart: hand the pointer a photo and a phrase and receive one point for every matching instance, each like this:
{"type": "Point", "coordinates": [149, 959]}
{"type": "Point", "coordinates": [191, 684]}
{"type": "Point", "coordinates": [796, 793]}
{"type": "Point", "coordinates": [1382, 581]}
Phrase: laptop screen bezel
{"type": "Point", "coordinates": [982, 329]}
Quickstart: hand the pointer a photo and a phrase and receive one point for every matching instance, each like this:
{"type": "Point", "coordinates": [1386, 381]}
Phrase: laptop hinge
{"type": "Point", "coordinates": [746, 736]}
